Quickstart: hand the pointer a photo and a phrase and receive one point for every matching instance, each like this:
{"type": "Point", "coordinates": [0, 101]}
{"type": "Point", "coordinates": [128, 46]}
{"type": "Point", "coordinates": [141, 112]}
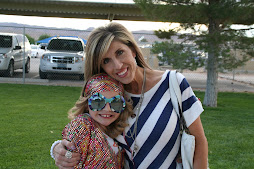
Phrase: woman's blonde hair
{"type": "Point", "coordinates": [99, 42]}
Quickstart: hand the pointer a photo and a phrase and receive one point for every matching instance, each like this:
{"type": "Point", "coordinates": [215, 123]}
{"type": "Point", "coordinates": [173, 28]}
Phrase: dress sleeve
{"type": "Point", "coordinates": [78, 132]}
{"type": "Point", "coordinates": [191, 106]}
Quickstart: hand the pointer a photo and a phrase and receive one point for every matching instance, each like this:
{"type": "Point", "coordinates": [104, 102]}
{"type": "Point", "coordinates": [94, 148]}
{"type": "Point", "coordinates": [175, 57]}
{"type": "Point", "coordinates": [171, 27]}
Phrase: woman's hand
{"type": "Point", "coordinates": [59, 152]}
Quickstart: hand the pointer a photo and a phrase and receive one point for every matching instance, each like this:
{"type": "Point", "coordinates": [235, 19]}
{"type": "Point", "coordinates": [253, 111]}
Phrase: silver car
{"type": "Point", "coordinates": [15, 50]}
{"type": "Point", "coordinates": [64, 55]}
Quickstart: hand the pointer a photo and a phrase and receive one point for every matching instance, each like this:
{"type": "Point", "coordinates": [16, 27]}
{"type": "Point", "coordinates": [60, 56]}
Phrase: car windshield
{"type": "Point", "coordinates": [5, 41]}
{"type": "Point", "coordinates": [64, 44]}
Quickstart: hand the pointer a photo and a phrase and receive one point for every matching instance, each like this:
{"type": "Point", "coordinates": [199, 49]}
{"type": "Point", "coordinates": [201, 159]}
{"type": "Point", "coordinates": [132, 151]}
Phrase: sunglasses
{"type": "Point", "coordinates": [97, 102]}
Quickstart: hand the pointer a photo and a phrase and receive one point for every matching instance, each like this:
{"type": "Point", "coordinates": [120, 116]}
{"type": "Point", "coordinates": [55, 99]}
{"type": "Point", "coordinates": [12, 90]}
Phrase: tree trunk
{"type": "Point", "coordinates": [212, 67]}
{"type": "Point", "coordinates": [211, 82]}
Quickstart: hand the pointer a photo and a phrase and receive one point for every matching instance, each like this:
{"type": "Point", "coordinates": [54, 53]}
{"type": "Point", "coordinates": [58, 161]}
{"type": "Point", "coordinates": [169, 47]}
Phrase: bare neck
{"type": "Point", "coordinates": [152, 78]}
{"type": "Point", "coordinates": [135, 87]}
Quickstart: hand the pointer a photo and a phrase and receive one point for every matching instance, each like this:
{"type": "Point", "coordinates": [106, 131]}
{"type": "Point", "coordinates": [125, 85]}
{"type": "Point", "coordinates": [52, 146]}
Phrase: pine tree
{"type": "Point", "coordinates": [220, 38]}
{"type": "Point", "coordinates": [30, 39]}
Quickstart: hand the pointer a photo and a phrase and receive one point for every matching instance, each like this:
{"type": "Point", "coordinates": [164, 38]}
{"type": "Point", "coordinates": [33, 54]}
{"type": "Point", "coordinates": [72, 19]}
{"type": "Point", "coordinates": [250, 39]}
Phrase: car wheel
{"type": "Point", "coordinates": [43, 75]}
{"type": "Point", "coordinates": [10, 71]}
{"type": "Point", "coordinates": [27, 66]}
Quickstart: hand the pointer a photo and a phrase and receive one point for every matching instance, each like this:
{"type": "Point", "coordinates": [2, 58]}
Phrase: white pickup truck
{"type": "Point", "coordinates": [64, 55]}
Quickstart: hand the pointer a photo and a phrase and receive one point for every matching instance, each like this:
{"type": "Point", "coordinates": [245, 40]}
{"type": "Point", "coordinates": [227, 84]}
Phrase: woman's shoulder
{"type": "Point", "coordinates": [160, 76]}
{"type": "Point", "coordinates": [156, 73]}
{"type": "Point", "coordinates": [153, 77]}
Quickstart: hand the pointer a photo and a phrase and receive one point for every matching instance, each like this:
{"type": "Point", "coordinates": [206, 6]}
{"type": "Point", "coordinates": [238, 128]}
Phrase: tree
{"type": "Point", "coordinates": [44, 36]}
{"type": "Point", "coordinates": [218, 40]}
{"type": "Point", "coordinates": [30, 39]}
{"type": "Point", "coordinates": [143, 40]}
{"type": "Point", "coordinates": [180, 56]}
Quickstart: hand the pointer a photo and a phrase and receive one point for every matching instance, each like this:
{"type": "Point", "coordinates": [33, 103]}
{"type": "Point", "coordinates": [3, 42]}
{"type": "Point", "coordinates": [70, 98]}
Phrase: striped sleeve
{"type": "Point", "coordinates": [192, 107]}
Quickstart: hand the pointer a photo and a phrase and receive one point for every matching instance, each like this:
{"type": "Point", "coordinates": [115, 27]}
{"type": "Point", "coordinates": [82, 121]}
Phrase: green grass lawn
{"type": "Point", "coordinates": [33, 116]}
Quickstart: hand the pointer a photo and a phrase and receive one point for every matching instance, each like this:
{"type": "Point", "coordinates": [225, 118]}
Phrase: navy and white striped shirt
{"type": "Point", "coordinates": [158, 138]}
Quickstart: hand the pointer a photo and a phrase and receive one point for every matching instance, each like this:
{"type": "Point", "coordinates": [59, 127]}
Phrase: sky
{"type": "Point", "coordinates": [80, 23]}
{"type": "Point", "coordinates": [83, 24]}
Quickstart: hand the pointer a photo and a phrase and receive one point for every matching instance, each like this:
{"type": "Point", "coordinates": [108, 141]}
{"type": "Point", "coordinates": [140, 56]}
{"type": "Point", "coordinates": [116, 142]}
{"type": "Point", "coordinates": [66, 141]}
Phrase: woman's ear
{"type": "Point", "coordinates": [133, 51]}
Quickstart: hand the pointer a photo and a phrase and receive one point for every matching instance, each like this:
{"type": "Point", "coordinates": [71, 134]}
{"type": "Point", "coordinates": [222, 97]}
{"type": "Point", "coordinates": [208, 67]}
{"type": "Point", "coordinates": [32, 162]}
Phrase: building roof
{"type": "Point", "coordinates": [72, 9]}
{"type": "Point", "coordinates": [106, 10]}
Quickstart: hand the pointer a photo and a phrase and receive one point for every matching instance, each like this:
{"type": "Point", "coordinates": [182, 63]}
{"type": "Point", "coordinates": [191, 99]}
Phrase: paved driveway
{"type": "Point", "coordinates": [226, 82]}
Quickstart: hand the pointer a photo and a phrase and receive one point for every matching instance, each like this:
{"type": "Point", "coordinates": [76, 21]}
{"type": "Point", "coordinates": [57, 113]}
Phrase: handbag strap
{"type": "Point", "coordinates": [175, 92]}
{"type": "Point", "coordinates": [176, 98]}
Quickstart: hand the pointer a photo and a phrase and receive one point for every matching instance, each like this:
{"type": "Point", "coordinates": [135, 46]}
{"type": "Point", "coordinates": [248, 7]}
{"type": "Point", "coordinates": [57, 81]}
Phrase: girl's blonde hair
{"type": "Point", "coordinates": [99, 42]}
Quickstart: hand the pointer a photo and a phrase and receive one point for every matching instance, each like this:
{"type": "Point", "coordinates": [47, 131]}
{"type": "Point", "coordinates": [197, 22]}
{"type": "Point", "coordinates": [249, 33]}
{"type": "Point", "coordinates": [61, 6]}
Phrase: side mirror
{"type": "Point", "coordinates": [17, 48]}
{"type": "Point", "coordinates": [43, 47]}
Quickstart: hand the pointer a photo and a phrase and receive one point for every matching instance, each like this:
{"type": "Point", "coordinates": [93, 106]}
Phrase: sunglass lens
{"type": "Point", "coordinates": [98, 103]}
{"type": "Point", "coordinates": [117, 105]}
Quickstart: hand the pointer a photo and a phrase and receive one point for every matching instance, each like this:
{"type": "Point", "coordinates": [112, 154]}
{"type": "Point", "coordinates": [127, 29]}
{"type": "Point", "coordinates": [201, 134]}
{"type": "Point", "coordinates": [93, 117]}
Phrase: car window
{"type": "Point", "coordinates": [20, 39]}
{"type": "Point", "coordinates": [77, 46]}
{"type": "Point", "coordinates": [15, 41]}
{"type": "Point", "coordinates": [26, 40]}
{"type": "Point", "coordinates": [65, 44]}
{"type": "Point", "coordinates": [5, 41]}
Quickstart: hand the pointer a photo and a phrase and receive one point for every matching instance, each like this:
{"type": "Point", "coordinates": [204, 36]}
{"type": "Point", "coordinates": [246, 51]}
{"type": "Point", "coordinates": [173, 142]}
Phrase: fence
{"type": "Point", "coordinates": [242, 80]}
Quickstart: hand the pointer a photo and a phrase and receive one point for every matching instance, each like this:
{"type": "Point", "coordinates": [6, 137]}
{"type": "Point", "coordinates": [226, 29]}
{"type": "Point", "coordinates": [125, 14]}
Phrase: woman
{"type": "Point", "coordinates": [152, 139]}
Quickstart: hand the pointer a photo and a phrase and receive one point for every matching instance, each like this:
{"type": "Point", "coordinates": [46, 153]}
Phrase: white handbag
{"type": "Point", "coordinates": [187, 140]}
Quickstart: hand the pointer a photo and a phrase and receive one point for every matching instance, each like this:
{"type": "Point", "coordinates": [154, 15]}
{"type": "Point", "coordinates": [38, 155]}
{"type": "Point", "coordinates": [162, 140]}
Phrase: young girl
{"type": "Point", "coordinates": [98, 117]}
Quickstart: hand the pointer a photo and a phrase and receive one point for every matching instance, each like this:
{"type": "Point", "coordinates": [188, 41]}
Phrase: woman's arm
{"type": "Point", "coordinates": [201, 145]}
{"type": "Point", "coordinates": [59, 153]}
{"type": "Point", "coordinates": [77, 131]}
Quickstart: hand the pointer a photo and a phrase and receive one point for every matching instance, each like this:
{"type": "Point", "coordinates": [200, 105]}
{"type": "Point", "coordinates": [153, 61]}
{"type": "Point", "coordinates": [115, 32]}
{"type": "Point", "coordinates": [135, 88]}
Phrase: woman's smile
{"type": "Point", "coordinates": [122, 73]}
